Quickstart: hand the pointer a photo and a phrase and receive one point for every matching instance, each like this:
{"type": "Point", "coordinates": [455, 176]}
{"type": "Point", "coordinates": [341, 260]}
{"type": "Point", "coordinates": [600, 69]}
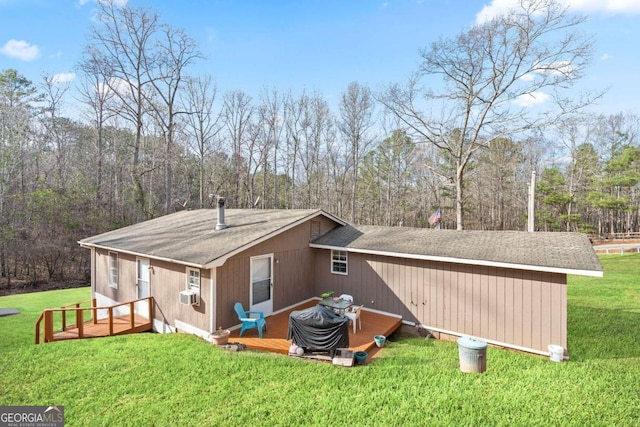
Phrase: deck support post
{"type": "Point", "coordinates": [38, 331]}
{"type": "Point", "coordinates": [132, 315]}
{"type": "Point", "coordinates": [48, 326]}
{"type": "Point", "coordinates": [80, 322]}
{"type": "Point", "coordinates": [110, 320]}
{"type": "Point", "coordinates": [94, 312]}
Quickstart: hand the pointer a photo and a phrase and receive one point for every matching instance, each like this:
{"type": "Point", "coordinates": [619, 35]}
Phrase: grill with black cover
{"type": "Point", "coordinates": [318, 329]}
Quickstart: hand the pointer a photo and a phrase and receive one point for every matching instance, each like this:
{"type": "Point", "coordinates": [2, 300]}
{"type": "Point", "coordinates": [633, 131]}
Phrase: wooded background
{"type": "Point", "coordinates": [149, 139]}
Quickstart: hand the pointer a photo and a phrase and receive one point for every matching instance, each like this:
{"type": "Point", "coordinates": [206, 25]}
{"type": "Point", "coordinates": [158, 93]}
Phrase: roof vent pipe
{"type": "Point", "coordinates": [220, 225]}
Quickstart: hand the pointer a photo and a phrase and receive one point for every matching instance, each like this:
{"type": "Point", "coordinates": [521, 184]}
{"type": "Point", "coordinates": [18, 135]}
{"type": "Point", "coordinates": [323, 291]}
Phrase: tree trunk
{"type": "Point", "coordinates": [459, 197]}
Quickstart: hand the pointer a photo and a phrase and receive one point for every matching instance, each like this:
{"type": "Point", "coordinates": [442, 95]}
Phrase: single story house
{"type": "Point", "coordinates": [507, 287]}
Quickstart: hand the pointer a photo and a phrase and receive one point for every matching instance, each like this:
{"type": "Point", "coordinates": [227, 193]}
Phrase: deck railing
{"type": "Point", "coordinates": [48, 317]}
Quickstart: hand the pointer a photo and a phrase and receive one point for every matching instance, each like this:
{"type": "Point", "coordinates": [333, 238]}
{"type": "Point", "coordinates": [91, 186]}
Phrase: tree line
{"type": "Point", "coordinates": [151, 139]}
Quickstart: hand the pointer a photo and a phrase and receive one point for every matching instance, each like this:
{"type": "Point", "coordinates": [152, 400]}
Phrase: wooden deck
{"type": "Point", "coordinates": [103, 321]}
{"type": "Point", "coordinates": [275, 337]}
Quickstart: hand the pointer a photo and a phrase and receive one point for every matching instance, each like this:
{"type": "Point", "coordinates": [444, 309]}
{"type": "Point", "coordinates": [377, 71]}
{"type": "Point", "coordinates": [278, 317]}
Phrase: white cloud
{"type": "Point", "coordinates": [119, 85]}
{"type": "Point", "coordinates": [554, 68]}
{"type": "Point", "coordinates": [532, 99]}
{"type": "Point", "coordinates": [606, 57]}
{"type": "Point", "coordinates": [20, 49]}
{"type": "Point", "coordinates": [497, 7]}
{"type": "Point", "coordinates": [562, 67]}
{"type": "Point", "coordinates": [609, 6]}
{"type": "Point", "coordinates": [119, 3]}
{"type": "Point", "coordinates": [529, 77]}
{"type": "Point", "coordinates": [63, 77]}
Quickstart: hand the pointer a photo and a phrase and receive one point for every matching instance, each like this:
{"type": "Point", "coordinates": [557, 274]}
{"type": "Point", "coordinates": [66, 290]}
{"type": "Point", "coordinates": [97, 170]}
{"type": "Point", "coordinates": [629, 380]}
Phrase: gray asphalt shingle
{"type": "Point", "coordinates": [190, 237]}
{"type": "Point", "coordinates": [552, 250]}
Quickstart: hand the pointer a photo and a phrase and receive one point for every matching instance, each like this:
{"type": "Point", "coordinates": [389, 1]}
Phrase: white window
{"type": "Point", "coordinates": [193, 282]}
{"type": "Point", "coordinates": [113, 270]}
{"type": "Point", "coordinates": [339, 262]}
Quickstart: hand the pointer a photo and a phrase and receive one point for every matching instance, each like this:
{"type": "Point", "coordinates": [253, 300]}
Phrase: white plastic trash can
{"type": "Point", "coordinates": [556, 353]}
{"type": "Point", "coordinates": [473, 354]}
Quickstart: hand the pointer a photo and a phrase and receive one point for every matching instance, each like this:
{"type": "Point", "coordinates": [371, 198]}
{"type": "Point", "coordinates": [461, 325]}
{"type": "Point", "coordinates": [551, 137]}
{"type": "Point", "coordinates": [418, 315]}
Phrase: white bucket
{"type": "Point", "coordinates": [556, 353]}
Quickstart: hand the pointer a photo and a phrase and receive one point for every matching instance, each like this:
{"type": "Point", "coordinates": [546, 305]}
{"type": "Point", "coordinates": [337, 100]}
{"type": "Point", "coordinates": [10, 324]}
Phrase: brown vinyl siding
{"type": "Point", "coordinates": [232, 284]}
{"type": "Point", "coordinates": [127, 273]}
{"type": "Point", "coordinates": [293, 278]}
{"type": "Point", "coordinates": [165, 282]}
{"type": "Point", "coordinates": [520, 307]}
{"type": "Point", "coordinates": [517, 307]}
{"type": "Point", "coordinates": [293, 271]}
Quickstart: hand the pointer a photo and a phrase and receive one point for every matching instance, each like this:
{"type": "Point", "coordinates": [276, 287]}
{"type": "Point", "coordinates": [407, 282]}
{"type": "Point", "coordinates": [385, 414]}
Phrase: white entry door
{"type": "Point", "coordinates": [142, 287]}
{"type": "Point", "coordinates": [262, 284]}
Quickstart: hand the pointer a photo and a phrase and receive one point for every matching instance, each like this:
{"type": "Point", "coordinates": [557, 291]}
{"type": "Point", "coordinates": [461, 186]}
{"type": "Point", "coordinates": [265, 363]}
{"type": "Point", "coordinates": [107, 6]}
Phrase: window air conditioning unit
{"type": "Point", "coordinates": [188, 298]}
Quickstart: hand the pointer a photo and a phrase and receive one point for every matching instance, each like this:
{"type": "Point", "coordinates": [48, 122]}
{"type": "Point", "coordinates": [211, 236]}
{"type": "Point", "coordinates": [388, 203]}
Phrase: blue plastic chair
{"type": "Point", "coordinates": [249, 322]}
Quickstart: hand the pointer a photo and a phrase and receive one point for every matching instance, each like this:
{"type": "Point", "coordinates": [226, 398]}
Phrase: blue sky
{"type": "Point", "coordinates": [312, 44]}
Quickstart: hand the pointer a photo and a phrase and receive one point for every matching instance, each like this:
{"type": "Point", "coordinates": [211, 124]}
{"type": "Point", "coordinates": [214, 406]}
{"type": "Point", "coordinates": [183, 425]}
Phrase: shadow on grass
{"type": "Point", "coordinates": [603, 333]}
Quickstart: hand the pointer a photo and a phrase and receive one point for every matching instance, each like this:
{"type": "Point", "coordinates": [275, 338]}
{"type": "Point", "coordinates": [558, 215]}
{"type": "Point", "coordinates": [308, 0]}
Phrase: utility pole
{"type": "Point", "coordinates": [531, 217]}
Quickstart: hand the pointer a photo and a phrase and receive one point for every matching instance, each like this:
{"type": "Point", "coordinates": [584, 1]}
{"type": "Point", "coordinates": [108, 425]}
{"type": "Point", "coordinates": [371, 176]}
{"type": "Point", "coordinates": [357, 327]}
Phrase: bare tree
{"type": "Point", "coordinates": [53, 124]}
{"type": "Point", "coordinates": [202, 123]}
{"type": "Point", "coordinates": [237, 116]}
{"type": "Point", "coordinates": [498, 174]}
{"type": "Point", "coordinates": [176, 51]}
{"type": "Point", "coordinates": [17, 98]}
{"type": "Point", "coordinates": [614, 132]}
{"type": "Point", "coordinates": [122, 47]}
{"type": "Point", "coordinates": [335, 168]}
{"type": "Point", "coordinates": [494, 73]}
{"type": "Point", "coordinates": [356, 111]}
{"type": "Point", "coordinates": [97, 96]}
{"type": "Point", "coordinates": [294, 108]}
{"type": "Point", "coordinates": [574, 134]}
{"type": "Point", "coordinates": [318, 129]}
{"type": "Point", "coordinates": [272, 118]}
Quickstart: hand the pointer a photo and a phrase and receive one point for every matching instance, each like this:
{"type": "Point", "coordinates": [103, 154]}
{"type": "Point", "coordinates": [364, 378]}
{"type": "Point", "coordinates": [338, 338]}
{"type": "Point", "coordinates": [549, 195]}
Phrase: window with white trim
{"type": "Point", "coordinates": [193, 281]}
{"type": "Point", "coordinates": [113, 270]}
{"type": "Point", "coordinates": [339, 262]}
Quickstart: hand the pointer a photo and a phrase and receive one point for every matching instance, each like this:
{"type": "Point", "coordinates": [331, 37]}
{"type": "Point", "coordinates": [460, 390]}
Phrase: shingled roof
{"type": "Point", "coordinates": [569, 253]}
{"type": "Point", "coordinates": [189, 237]}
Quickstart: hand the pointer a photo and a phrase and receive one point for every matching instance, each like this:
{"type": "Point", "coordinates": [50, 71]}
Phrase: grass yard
{"type": "Point", "coordinates": [176, 380]}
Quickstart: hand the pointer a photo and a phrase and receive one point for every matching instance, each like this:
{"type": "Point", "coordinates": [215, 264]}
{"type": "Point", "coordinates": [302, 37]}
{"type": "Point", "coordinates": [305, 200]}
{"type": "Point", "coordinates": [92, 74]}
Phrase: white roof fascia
{"type": "Point", "coordinates": [139, 254]}
{"type": "Point", "coordinates": [591, 273]}
{"type": "Point", "coordinates": [218, 262]}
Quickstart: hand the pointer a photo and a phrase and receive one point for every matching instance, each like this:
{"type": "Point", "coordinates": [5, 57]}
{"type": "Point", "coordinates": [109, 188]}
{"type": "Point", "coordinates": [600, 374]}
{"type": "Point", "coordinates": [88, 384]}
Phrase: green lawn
{"type": "Point", "coordinates": [174, 380]}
